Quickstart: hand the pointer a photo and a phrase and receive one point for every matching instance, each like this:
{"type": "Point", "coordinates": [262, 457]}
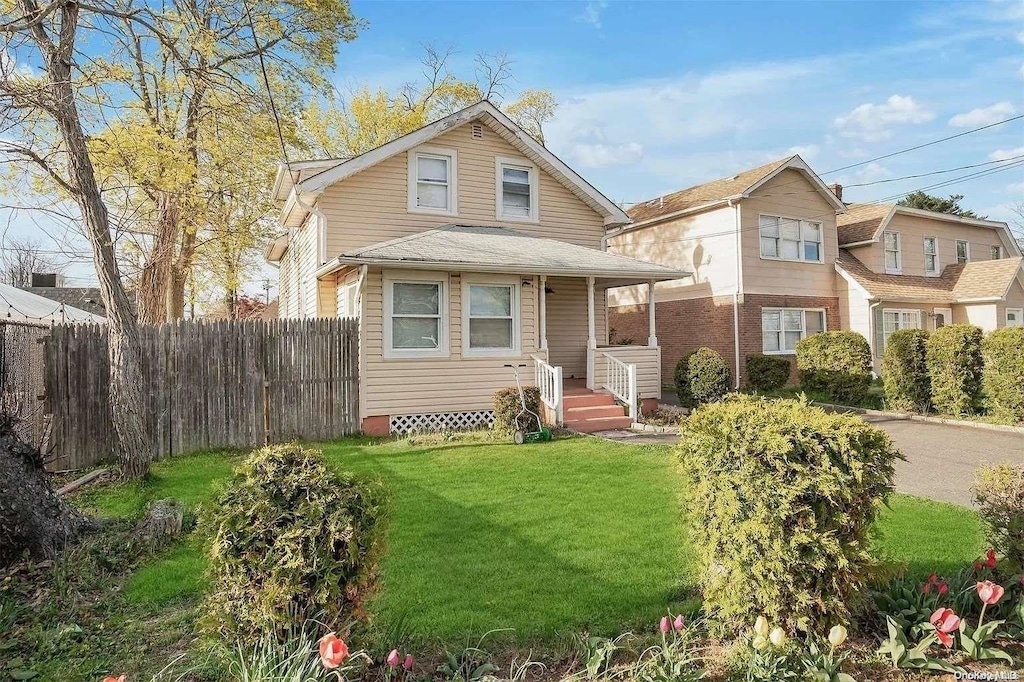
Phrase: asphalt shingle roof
{"type": "Point", "coordinates": [860, 222]}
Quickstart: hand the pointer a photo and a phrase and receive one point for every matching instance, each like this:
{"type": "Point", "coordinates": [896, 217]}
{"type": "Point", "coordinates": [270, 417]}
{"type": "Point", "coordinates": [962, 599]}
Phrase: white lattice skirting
{"type": "Point", "coordinates": [402, 424]}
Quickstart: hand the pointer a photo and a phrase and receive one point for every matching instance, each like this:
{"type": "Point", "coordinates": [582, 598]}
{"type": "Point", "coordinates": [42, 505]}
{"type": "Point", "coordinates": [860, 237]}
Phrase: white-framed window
{"type": "Point", "coordinates": [490, 317]}
{"type": "Point", "coordinates": [415, 315]}
{"type": "Point", "coordinates": [790, 239]}
{"type": "Point", "coordinates": [963, 251]}
{"type": "Point", "coordinates": [894, 320]}
{"type": "Point", "coordinates": [1015, 317]}
{"type": "Point", "coordinates": [782, 328]}
{"type": "Point", "coordinates": [433, 180]}
{"type": "Point", "coordinates": [516, 189]}
{"type": "Point", "coordinates": [995, 252]}
{"type": "Point", "coordinates": [931, 256]}
{"type": "Point", "coordinates": [893, 253]}
{"type": "Point", "coordinates": [348, 303]}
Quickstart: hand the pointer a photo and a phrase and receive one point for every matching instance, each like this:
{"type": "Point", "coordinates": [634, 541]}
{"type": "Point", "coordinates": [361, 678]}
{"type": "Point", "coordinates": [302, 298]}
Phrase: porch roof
{"type": "Point", "coordinates": [479, 248]}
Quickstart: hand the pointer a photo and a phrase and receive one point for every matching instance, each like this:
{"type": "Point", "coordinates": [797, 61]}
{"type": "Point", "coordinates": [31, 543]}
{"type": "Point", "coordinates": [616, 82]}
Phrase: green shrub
{"type": "Point", "coordinates": [781, 497]}
{"type": "Point", "coordinates": [1003, 376]}
{"type": "Point", "coordinates": [681, 381]}
{"type": "Point", "coordinates": [837, 363]}
{"type": "Point", "coordinates": [999, 493]}
{"type": "Point", "coordinates": [291, 541]}
{"type": "Point", "coordinates": [768, 372]}
{"type": "Point", "coordinates": [507, 406]}
{"type": "Point", "coordinates": [955, 367]}
{"type": "Point", "coordinates": [905, 370]}
{"type": "Point", "coordinates": [701, 376]}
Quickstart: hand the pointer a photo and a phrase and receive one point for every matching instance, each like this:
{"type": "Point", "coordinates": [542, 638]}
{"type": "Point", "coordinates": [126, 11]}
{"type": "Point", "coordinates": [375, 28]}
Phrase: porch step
{"type": "Point", "coordinates": [599, 424]}
{"type": "Point", "coordinates": [593, 412]}
{"type": "Point", "coordinates": [588, 399]}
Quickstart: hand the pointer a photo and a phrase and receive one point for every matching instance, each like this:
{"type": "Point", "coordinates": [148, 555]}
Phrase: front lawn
{"type": "Point", "coordinates": [545, 539]}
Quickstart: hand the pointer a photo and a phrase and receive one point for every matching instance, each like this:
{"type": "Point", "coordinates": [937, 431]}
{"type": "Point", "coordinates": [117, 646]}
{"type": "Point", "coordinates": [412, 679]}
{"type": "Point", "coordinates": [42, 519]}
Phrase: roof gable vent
{"type": "Point", "coordinates": [478, 131]}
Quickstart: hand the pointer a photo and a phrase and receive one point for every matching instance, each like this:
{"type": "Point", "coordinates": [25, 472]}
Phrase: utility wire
{"type": "Point", "coordinates": [266, 82]}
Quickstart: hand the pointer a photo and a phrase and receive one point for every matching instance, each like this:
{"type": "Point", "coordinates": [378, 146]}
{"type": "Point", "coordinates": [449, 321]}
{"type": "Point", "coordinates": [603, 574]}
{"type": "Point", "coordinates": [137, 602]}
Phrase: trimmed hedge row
{"type": "Point", "coordinates": [905, 370]}
{"type": "Point", "coordinates": [1003, 378]}
{"type": "Point", "coordinates": [768, 372]}
{"type": "Point", "coordinates": [837, 363]}
{"type": "Point", "coordinates": [955, 366]}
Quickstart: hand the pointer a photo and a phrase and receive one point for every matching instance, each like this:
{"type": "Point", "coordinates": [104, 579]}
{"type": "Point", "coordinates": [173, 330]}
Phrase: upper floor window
{"type": "Point", "coordinates": [491, 318]}
{"type": "Point", "coordinates": [963, 251]}
{"type": "Point", "coordinates": [790, 239]}
{"type": "Point", "coordinates": [516, 189]}
{"type": "Point", "coordinates": [931, 256]}
{"type": "Point", "coordinates": [995, 252]}
{"type": "Point", "coordinates": [782, 328]}
{"type": "Point", "coordinates": [432, 180]}
{"type": "Point", "coordinates": [893, 253]}
{"type": "Point", "coordinates": [414, 318]}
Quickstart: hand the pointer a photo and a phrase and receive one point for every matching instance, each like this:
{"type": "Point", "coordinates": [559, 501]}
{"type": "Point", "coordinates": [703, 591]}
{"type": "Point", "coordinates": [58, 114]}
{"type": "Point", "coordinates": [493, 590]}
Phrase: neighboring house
{"type": "Point", "coordinates": [464, 247]}
{"type": "Point", "coordinates": [903, 267]}
{"type": "Point", "coordinates": [83, 298]}
{"type": "Point", "coordinates": [776, 256]}
{"type": "Point", "coordinates": [21, 306]}
{"type": "Point", "coordinates": [761, 246]}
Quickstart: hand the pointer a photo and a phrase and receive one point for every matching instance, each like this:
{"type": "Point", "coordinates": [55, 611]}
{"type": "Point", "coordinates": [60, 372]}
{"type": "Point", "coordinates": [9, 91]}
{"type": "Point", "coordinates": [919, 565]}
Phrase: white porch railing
{"type": "Point", "coordinates": [549, 381]}
{"type": "Point", "coordinates": [620, 381]}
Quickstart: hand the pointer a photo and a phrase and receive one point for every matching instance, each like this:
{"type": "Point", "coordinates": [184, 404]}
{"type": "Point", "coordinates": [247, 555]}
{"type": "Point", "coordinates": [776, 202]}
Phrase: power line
{"type": "Point", "coordinates": [266, 82]}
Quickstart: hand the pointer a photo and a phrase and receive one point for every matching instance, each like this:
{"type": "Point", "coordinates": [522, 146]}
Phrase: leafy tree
{"type": "Point", "coordinates": [929, 202]}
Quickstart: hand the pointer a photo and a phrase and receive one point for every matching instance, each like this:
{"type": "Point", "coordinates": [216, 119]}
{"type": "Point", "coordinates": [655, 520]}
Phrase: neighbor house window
{"type": "Point", "coordinates": [414, 318]}
{"type": "Point", "coordinates": [491, 318]}
{"type": "Point", "coordinates": [1015, 317]}
{"type": "Point", "coordinates": [995, 252]}
{"type": "Point", "coordinates": [790, 239]}
{"type": "Point", "coordinates": [963, 251]}
{"type": "Point", "coordinates": [348, 304]}
{"type": "Point", "coordinates": [782, 328]}
{"type": "Point", "coordinates": [893, 255]}
{"type": "Point", "coordinates": [432, 180]}
{"type": "Point", "coordinates": [931, 256]}
{"type": "Point", "coordinates": [516, 189]}
{"type": "Point", "coordinates": [894, 320]}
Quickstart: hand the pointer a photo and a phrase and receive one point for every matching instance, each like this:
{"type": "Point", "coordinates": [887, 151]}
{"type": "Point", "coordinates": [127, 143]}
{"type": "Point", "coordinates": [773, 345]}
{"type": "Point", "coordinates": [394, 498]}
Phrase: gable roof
{"type": "Point", "coordinates": [485, 112]}
{"type": "Point", "coordinates": [978, 280]}
{"type": "Point", "coordinates": [738, 186]}
{"type": "Point", "coordinates": [864, 223]}
{"type": "Point", "coordinates": [480, 248]}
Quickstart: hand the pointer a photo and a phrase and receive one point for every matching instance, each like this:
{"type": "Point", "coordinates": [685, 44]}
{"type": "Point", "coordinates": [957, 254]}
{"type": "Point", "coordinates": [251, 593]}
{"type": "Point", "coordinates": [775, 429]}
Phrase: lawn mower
{"type": "Point", "coordinates": [520, 436]}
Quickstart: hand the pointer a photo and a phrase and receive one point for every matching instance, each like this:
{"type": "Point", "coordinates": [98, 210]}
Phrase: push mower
{"type": "Point", "coordinates": [520, 436]}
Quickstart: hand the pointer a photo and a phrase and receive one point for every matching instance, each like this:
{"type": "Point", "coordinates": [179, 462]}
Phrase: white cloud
{"type": "Point", "coordinates": [983, 116]}
{"type": "Point", "coordinates": [873, 122]}
{"type": "Point", "coordinates": [592, 13]}
{"type": "Point", "coordinates": [599, 155]}
{"type": "Point", "coordinates": [1015, 188]}
{"type": "Point", "coordinates": [1000, 154]}
{"type": "Point", "coordinates": [807, 152]}
{"type": "Point", "coordinates": [1020, 37]}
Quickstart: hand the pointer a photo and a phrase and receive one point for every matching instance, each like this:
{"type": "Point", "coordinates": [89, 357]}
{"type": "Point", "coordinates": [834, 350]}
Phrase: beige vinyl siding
{"type": "Point", "coordinates": [372, 206]}
{"type": "Point", "coordinates": [704, 244]}
{"type": "Point", "coordinates": [567, 323]}
{"type": "Point", "coordinates": [913, 230]}
{"type": "Point", "coordinates": [854, 308]}
{"type": "Point", "coordinates": [428, 385]}
{"type": "Point", "coordinates": [287, 305]}
{"type": "Point", "coordinates": [327, 295]}
{"type": "Point", "coordinates": [789, 195]}
{"type": "Point", "coordinates": [1014, 299]}
{"type": "Point", "coordinates": [648, 367]}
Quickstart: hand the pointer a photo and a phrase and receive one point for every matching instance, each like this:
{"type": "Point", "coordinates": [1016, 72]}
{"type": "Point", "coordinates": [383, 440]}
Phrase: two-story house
{"type": "Point", "coordinates": [776, 256]}
{"type": "Point", "coordinates": [465, 247]}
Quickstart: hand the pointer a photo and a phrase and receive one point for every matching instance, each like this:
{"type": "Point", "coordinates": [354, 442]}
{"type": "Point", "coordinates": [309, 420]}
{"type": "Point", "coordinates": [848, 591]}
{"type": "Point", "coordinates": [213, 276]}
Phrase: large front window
{"type": "Point", "coordinates": [415, 323]}
{"type": "Point", "coordinates": [894, 320]}
{"type": "Point", "coordinates": [490, 318]}
{"type": "Point", "coordinates": [893, 254]}
{"type": "Point", "coordinates": [790, 239]}
{"type": "Point", "coordinates": [782, 328]}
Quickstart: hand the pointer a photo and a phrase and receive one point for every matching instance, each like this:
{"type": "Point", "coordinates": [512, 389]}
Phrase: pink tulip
{"type": "Point", "coordinates": [679, 623]}
{"type": "Point", "coordinates": [945, 621]}
{"type": "Point", "coordinates": [664, 625]}
{"type": "Point", "coordinates": [333, 651]}
{"type": "Point", "coordinates": [990, 558]}
{"type": "Point", "coordinates": [393, 658]}
{"type": "Point", "coordinates": [407, 663]}
{"type": "Point", "coordinates": [989, 592]}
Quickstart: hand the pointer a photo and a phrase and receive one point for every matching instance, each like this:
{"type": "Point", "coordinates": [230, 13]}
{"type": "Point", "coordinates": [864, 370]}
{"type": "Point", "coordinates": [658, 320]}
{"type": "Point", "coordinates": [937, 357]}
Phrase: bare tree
{"type": "Point", "coordinates": [1017, 223]}
{"type": "Point", "coordinates": [21, 256]}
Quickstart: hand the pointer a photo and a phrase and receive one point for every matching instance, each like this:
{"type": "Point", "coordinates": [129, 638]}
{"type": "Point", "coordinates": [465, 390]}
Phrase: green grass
{"type": "Point", "coordinates": [546, 539]}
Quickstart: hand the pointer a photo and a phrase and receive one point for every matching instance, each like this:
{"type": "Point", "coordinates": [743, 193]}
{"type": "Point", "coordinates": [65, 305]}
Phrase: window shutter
{"type": "Point", "coordinates": [879, 338]}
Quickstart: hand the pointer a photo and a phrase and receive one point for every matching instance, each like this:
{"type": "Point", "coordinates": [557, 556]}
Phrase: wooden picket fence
{"type": "Point", "coordinates": [207, 385]}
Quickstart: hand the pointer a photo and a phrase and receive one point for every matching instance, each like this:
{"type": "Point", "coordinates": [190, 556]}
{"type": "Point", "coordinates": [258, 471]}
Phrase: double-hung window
{"type": "Point", "coordinates": [490, 318]}
{"type": "Point", "coordinates": [995, 252]}
{"type": "Point", "coordinates": [432, 180]}
{"type": "Point", "coordinates": [931, 256]}
{"type": "Point", "coordinates": [963, 251]}
{"type": "Point", "coordinates": [790, 239]}
{"type": "Point", "coordinates": [893, 253]}
{"type": "Point", "coordinates": [517, 190]}
{"type": "Point", "coordinates": [782, 328]}
{"type": "Point", "coordinates": [414, 312]}
{"type": "Point", "coordinates": [894, 320]}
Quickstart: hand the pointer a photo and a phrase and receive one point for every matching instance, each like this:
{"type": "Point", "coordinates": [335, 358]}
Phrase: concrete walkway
{"type": "Point", "coordinates": [941, 459]}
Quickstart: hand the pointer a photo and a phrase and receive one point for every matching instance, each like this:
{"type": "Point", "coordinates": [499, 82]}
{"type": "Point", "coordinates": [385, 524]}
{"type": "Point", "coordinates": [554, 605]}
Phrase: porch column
{"type": "Point", "coordinates": [543, 313]}
{"type": "Point", "coordinates": [652, 336]}
{"type": "Point", "coordinates": [591, 334]}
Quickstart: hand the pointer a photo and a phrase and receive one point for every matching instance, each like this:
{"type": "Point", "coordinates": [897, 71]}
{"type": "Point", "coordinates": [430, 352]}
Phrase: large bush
{"type": "Point", "coordinates": [507, 406]}
{"type": "Point", "coordinates": [905, 370]}
{"type": "Point", "coordinates": [291, 541]}
{"type": "Point", "coordinates": [768, 372]}
{"type": "Point", "coordinates": [1003, 376]}
{"type": "Point", "coordinates": [999, 494]}
{"type": "Point", "coordinates": [837, 363]}
{"type": "Point", "coordinates": [702, 376]}
{"type": "Point", "coordinates": [955, 367]}
{"type": "Point", "coordinates": [781, 497]}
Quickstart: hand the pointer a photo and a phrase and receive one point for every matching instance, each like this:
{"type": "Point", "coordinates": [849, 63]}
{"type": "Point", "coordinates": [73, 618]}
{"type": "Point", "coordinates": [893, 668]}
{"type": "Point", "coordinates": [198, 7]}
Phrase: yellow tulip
{"type": "Point", "coordinates": [777, 637]}
{"type": "Point", "coordinates": [761, 626]}
{"type": "Point", "coordinates": [837, 635]}
{"type": "Point", "coordinates": [760, 643]}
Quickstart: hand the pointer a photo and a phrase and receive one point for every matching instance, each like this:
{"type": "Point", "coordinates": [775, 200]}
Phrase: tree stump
{"type": "Point", "coordinates": [162, 522]}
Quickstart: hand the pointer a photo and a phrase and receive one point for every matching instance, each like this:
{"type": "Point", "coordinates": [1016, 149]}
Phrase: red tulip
{"type": "Point", "coordinates": [989, 592]}
{"type": "Point", "coordinates": [977, 566]}
{"type": "Point", "coordinates": [933, 578]}
{"type": "Point", "coordinates": [679, 623]}
{"type": "Point", "coordinates": [947, 640]}
{"type": "Point", "coordinates": [407, 663]}
{"type": "Point", "coordinates": [926, 588]}
{"type": "Point", "coordinates": [990, 558]}
{"type": "Point", "coordinates": [393, 658]}
{"type": "Point", "coordinates": [664, 625]}
{"type": "Point", "coordinates": [333, 651]}
{"type": "Point", "coordinates": [943, 588]}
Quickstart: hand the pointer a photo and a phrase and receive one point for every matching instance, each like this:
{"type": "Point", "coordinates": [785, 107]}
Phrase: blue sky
{"type": "Point", "coordinates": [657, 96]}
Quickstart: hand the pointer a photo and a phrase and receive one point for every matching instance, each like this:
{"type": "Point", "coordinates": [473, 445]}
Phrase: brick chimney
{"type": "Point", "coordinates": [46, 279]}
{"type": "Point", "coordinates": [837, 189]}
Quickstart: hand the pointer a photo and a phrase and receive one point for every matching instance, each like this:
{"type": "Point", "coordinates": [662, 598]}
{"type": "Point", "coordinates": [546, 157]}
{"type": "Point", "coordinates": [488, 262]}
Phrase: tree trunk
{"type": "Point", "coordinates": [126, 404]}
{"type": "Point", "coordinates": [33, 517]}
{"type": "Point", "coordinates": [156, 282]}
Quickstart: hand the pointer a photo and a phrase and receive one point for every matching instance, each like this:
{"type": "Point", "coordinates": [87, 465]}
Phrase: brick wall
{"type": "Point", "coordinates": [750, 320]}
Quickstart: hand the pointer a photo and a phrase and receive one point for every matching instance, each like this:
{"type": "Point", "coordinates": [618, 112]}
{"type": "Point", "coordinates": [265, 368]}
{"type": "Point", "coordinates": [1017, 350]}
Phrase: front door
{"type": "Point", "coordinates": [941, 317]}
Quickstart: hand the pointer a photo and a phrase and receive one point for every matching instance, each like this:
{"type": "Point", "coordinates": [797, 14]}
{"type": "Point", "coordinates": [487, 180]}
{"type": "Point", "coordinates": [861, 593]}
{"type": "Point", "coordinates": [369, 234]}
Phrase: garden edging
{"type": "Point", "coordinates": [653, 428]}
{"type": "Point", "coordinates": [912, 416]}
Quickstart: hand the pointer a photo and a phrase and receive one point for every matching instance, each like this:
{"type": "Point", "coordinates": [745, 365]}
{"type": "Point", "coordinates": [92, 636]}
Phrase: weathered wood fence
{"type": "Point", "coordinates": [220, 384]}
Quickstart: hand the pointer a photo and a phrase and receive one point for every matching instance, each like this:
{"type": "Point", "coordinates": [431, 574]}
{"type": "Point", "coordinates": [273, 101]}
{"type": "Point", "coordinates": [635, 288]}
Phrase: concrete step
{"type": "Point", "coordinates": [587, 400]}
{"type": "Point", "coordinates": [593, 412]}
{"type": "Point", "coordinates": [599, 424]}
